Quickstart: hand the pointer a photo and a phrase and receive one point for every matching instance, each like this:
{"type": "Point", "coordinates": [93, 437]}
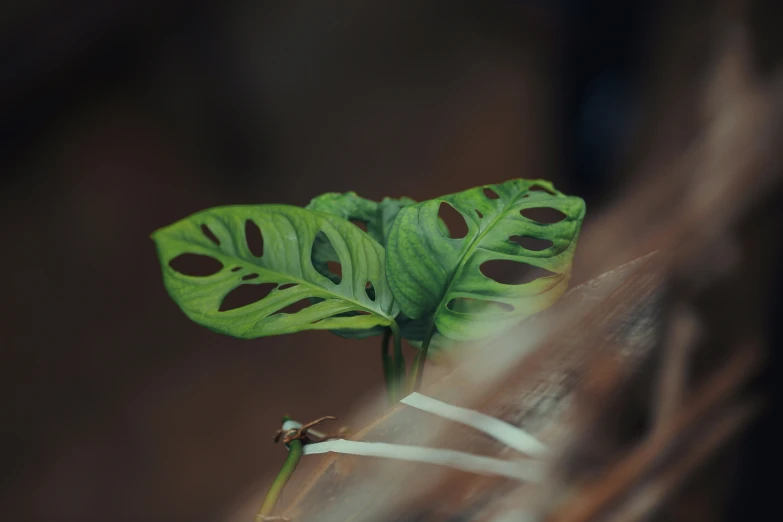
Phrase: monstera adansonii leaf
{"type": "Point", "coordinates": [277, 262]}
{"type": "Point", "coordinates": [377, 217]}
{"type": "Point", "coordinates": [449, 281]}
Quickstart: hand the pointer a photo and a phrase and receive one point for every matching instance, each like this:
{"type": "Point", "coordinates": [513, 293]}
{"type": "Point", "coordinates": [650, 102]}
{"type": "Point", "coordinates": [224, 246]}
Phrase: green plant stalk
{"type": "Point", "coordinates": [295, 450]}
{"type": "Point", "coordinates": [389, 370]}
{"type": "Point", "coordinates": [417, 368]}
{"type": "Point", "coordinates": [399, 362]}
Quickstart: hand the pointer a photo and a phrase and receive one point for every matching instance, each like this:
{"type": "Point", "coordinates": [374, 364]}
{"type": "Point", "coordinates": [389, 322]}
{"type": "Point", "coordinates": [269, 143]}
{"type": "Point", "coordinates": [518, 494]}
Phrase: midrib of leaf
{"type": "Point", "coordinates": [308, 284]}
{"type": "Point", "coordinates": [469, 252]}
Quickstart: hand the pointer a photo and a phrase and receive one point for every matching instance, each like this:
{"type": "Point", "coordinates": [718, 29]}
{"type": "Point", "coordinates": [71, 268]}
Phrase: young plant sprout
{"type": "Point", "coordinates": [406, 277]}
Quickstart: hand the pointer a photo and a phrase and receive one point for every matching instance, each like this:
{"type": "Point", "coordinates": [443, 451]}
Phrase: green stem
{"type": "Point", "coordinates": [399, 361]}
{"type": "Point", "coordinates": [294, 455]}
{"type": "Point", "coordinates": [389, 372]}
{"type": "Point", "coordinates": [417, 368]}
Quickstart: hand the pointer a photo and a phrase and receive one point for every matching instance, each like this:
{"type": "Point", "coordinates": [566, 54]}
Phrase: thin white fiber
{"type": "Point", "coordinates": [523, 471]}
{"type": "Point", "coordinates": [504, 432]}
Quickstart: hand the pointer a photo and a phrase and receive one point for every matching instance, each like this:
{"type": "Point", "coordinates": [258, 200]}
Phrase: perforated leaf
{"type": "Point", "coordinates": [377, 218]}
{"type": "Point", "coordinates": [283, 264]}
{"type": "Point", "coordinates": [451, 282]}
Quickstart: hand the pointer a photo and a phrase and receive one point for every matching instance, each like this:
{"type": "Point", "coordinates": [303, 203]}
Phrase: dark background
{"type": "Point", "coordinates": [119, 117]}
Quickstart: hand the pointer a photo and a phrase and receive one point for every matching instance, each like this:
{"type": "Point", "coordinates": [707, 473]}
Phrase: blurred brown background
{"type": "Point", "coordinates": [119, 117]}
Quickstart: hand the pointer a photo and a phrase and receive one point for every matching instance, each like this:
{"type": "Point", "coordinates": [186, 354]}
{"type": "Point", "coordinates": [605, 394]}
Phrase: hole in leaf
{"type": "Point", "coordinates": [245, 295]}
{"type": "Point", "coordinates": [509, 272]}
{"type": "Point", "coordinates": [248, 277]}
{"type": "Point", "coordinates": [295, 307]}
{"type": "Point", "coordinates": [255, 241]}
{"type": "Point", "coordinates": [330, 268]}
{"type": "Point", "coordinates": [539, 188]}
{"type": "Point", "coordinates": [360, 224]}
{"type": "Point", "coordinates": [480, 215]}
{"type": "Point", "coordinates": [454, 220]}
{"type": "Point", "coordinates": [543, 215]}
{"type": "Point", "coordinates": [336, 269]}
{"type": "Point", "coordinates": [210, 235]}
{"type": "Point", "coordinates": [196, 265]}
{"type": "Point", "coordinates": [370, 291]}
{"type": "Point", "coordinates": [236, 269]}
{"type": "Point", "coordinates": [490, 194]}
{"type": "Point", "coordinates": [286, 285]}
{"type": "Point", "coordinates": [531, 243]}
{"type": "Point", "coordinates": [466, 305]}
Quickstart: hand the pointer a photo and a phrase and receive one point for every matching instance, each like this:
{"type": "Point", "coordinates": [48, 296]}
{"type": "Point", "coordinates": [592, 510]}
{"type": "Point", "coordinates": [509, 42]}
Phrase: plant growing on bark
{"type": "Point", "coordinates": [405, 277]}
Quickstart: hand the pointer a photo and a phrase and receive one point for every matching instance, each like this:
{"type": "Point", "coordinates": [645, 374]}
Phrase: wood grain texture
{"type": "Point", "coordinates": [525, 379]}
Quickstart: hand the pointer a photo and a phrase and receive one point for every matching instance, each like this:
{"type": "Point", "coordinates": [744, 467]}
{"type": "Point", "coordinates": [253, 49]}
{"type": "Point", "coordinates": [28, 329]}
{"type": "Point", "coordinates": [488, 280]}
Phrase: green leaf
{"type": "Point", "coordinates": [439, 278]}
{"type": "Point", "coordinates": [377, 217]}
{"type": "Point", "coordinates": [287, 234]}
